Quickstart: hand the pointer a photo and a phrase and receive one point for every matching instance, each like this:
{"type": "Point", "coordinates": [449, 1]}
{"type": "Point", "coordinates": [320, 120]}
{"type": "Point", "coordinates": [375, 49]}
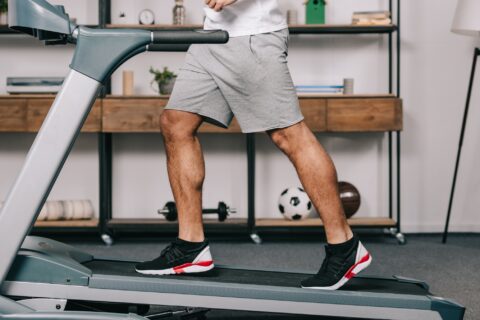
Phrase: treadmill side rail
{"type": "Point", "coordinates": [447, 309]}
{"type": "Point", "coordinates": [213, 301]}
{"type": "Point", "coordinates": [71, 315]}
{"type": "Point", "coordinates": [54, 248]}
{"type": "Point", "coordinates": [38, 267]}
{"type": "Point", "coordinates": [8, 306]}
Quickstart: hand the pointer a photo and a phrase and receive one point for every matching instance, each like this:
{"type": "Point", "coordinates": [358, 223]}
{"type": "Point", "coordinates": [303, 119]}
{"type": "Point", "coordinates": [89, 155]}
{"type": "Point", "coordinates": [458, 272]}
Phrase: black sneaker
{"type": "Point", "coordinates": [179, 257]}
{"type": "Point", "coordinates": [339, 267]}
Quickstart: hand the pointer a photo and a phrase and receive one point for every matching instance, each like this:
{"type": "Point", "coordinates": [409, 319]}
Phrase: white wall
{"type": "Point", "coordinates": [435, 70]}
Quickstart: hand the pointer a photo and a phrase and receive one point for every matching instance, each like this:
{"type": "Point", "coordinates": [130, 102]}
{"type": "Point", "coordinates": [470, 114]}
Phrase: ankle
{"type": "Point", "coordinates": [192, 237]}
{"type": "Point", "coordinates": [339, 237]}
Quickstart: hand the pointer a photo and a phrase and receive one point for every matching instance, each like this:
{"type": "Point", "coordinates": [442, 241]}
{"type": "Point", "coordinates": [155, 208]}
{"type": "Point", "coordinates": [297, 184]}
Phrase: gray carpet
{"type": "Point", "coordinates": [451, 270]}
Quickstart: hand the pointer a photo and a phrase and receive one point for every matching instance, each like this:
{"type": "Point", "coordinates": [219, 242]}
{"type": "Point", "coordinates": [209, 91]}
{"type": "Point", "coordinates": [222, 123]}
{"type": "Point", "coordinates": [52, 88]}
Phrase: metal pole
{"type": "Point", "coordinates": [398, 132]}
{"type": "Point", "coordinates": [398, 47]}
{"type": "Point", "coordinates": [105, 147]}
{"type": "Point", "coordinates": [390, 54]}
{"type": "Point", "coordinates": [460, 144]}
{"type": "Point", "coordinates": [251, 180]}
{"type": "Point", "coordinates": [104, 12]}
{"type": "Point", "coordinates": [390, 175]}
{"type": "Point", "coordinates": [398, 182]}
{"type": "Point", "coordinates": [105, 183]}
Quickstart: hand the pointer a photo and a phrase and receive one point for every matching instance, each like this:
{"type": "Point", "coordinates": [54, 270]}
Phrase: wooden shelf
{"type": "Point", "coordinates": [93, 223]}
{"type": "Point", "coordinates": [341, 29]}
{"type": "Point", "coordinates": [294, 29]}
{"type": "Point", "coordinates": [354, 222]}
{"type": "Point", "coordinates": [141, 114]}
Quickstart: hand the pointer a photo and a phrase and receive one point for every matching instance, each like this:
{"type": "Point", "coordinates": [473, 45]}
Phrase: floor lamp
{"type": "Point", "coordinates": [466, 22]}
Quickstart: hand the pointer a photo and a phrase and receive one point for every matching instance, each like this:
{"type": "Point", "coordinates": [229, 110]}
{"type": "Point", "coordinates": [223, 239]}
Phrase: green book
{"type": "Point", "coordinates": [315, 12]}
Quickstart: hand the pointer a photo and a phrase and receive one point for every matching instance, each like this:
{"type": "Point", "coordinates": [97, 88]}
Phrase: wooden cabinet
{"type": "Point", "coordinates": [142, 114]}
{"type": "Point", "coordinates": [27, 114]}
{"type": "Point", "coordinates": [315, 112]}
{"type": "Point", "coordinates": [322, 114]}
{"type": "Point", "coordinates": [132, 114]}
{"type": "Point", "coordinates": [364, 115]}
{"type": "Point", "coordinates": [13, 115]}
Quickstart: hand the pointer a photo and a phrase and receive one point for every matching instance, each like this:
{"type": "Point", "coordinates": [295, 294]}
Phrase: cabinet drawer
{"type": "Point", "coordinates": [38, 108]}
{"type": "Point", "coordinates": [132, 115]}
{"type": "Point", "coordinates": [13, 115]}
{"type": "Point", "coordinates": [366, 115]}
{"type": "Point", "coordinates": [315, 112]}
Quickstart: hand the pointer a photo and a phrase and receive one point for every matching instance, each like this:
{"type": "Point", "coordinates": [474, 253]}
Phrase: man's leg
{"type": "Point", "coordinates": [317, 173]}
{"type": "Point", "coordinates": [345, 254]}
{"type": "Point", "coordinates": [190, 253]}
{"type": "Point", "coordinates": [186, 170]}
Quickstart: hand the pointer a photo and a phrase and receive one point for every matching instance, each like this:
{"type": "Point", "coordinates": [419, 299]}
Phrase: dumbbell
{"type": "Point", "coordinates": [171, 214]}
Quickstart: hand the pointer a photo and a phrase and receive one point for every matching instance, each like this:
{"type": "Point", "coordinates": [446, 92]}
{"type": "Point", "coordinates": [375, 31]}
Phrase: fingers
{"type": "Point", "coordinates": [215, 4]}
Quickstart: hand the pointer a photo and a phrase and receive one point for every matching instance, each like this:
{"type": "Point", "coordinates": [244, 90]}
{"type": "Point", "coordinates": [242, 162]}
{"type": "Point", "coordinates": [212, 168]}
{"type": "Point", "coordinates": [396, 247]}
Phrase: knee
{"type": "Point", "coordinates": [292, 139]}
{"type": "Point", "coordinates": [174, 127]}
{"type": "Point", "coordinates": [281, 139]}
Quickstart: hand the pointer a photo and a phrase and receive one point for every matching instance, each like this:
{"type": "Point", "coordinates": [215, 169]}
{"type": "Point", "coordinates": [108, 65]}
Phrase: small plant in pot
{"type": "Point", "coordinates": [3, 12]}
{"type": "Point", "coordinates": [165, 80]}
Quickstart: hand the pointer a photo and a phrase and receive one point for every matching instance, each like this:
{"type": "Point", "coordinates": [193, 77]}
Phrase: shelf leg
{"type": "Point", "coordinates": [107, 239]}
{"type": "Point", "coordinates": [251, 181]}
{"type": "Point", "coordinates": [401, 238]}
{"type": "Point", "coordinates": [105, 168]}
{"type": "Point", "coordinates": [256, 238]}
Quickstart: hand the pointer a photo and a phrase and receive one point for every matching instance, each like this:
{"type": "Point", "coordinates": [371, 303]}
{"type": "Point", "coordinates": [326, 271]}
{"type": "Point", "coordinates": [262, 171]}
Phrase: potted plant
{"type": "Point", "coordinates": [3, 12]}
{"type": "Point", "coordinates": [165, 80]}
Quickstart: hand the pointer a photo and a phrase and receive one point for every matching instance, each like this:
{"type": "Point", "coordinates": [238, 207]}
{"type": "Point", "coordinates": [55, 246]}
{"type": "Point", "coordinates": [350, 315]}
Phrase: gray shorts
{"type": "Point", "coordinates": [247, 78]}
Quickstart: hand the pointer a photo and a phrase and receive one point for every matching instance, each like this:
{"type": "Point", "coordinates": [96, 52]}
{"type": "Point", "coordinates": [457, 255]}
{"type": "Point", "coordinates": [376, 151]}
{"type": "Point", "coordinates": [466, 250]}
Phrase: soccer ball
{"type": "Point", "coordinates": [294, 204]}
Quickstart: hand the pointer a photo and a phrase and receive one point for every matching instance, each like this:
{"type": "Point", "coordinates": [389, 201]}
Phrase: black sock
{"type": "Point", "coordinates": [345, 247]}
{"type": "Point", "coordinates": [187, 245]}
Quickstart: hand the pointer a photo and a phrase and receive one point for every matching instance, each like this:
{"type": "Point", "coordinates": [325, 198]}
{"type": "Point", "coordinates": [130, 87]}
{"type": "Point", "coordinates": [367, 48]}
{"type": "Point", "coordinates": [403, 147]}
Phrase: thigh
{"type": "Point", "coordinates": [253, 76]}
{"type": "Point", "coordinates": [196, 91]}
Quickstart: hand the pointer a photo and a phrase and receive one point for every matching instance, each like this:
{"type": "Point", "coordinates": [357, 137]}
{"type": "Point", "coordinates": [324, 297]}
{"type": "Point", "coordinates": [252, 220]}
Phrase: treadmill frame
{"type": "Point", "coordinates": [98, 53]}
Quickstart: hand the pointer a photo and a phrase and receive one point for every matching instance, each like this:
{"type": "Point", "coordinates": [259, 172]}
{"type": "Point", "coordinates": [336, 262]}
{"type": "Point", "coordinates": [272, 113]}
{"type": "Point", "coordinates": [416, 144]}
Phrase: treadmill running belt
{"type": "Point", "coordinates": [256, 277]}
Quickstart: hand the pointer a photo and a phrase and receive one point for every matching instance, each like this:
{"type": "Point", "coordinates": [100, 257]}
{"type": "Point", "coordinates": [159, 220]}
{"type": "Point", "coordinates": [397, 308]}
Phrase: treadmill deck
{"type": "Point", "coordinates": [257, 277]}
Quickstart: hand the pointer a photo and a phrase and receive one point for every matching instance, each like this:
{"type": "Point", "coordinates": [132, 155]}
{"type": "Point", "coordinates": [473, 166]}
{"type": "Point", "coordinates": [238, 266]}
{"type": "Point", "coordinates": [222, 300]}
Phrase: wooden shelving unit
{"type": "Point", "coordinates": [323, 113]}
{"type": "Point", "coordinates": [140, 114]}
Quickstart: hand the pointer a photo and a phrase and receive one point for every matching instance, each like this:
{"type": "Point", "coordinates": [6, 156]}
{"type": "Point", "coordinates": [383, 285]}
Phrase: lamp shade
{"type": "Point", "coordinates": [467, 18]}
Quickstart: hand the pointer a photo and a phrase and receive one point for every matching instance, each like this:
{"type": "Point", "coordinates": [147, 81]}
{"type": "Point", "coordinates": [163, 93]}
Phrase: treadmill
{"type": "Point", "coordinates": [41, 278]}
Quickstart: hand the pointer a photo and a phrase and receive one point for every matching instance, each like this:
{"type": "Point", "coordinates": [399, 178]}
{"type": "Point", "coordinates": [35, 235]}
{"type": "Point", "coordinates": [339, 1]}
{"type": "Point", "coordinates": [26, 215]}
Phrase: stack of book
{"type": "Point", "coordinates": [33, 85]}
{"type": "Point", "coordinates": [318, 89]}
{"type": "Point", "coordinates": [369, 18]}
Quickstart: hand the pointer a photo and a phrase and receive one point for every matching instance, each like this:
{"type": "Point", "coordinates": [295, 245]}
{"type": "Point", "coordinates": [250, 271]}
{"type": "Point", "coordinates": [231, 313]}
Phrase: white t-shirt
{"type": "Point", "coordinates": [246, 17]}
